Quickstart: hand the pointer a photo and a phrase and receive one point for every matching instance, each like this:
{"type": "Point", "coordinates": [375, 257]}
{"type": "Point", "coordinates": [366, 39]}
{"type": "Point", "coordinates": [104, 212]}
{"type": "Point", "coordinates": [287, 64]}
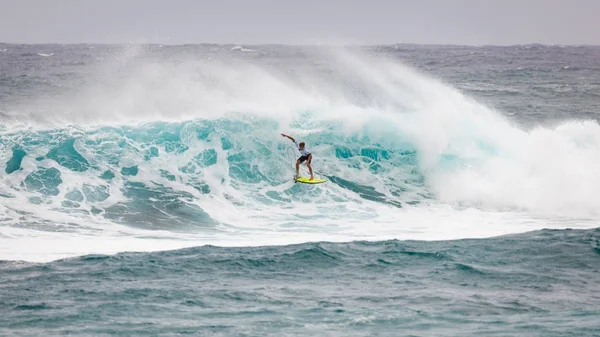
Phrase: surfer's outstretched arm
{"type": "Point", "coordinates": [289, 137]}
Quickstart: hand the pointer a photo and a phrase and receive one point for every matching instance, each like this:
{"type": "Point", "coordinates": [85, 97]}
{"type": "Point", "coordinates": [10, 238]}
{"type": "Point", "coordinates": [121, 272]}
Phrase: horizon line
{"type": "Point", "coordinates": [298, 45]}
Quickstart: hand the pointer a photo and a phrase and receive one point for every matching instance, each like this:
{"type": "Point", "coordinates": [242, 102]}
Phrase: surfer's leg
{"type": "Point", "coordinates": [298, 162]}
{"type": "Point", "coordinates": [310, 170]}
{"type": "Point", "coordinates": [310, 167]}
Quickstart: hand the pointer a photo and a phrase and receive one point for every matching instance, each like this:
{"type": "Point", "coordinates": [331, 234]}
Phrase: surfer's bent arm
{"type": "Point", "coordinates": [289, 137]}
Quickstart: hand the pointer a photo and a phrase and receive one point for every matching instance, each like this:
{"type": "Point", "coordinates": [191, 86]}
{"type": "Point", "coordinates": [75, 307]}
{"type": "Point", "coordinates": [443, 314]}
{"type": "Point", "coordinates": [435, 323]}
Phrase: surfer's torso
{"type": "Point", "coordinates": [304, 152]}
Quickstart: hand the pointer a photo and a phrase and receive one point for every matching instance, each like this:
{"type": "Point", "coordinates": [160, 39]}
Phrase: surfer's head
{"type": "Point", "coordinates": [301, 145]}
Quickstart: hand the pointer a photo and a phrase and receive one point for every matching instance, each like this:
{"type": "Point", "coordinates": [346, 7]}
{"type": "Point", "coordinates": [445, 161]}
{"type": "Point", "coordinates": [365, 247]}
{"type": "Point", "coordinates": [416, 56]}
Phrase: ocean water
{"type": "Point", "coordinates": [145, 190]}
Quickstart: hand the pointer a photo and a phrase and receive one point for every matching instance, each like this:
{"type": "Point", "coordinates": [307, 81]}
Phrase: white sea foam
{"type": "Point", "coordinates": [483, 176]}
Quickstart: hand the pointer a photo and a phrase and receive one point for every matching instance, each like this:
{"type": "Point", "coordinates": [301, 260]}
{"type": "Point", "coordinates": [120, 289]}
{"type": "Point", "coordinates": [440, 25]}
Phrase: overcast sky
{"type": "Point", "coordinates": [473, 22]}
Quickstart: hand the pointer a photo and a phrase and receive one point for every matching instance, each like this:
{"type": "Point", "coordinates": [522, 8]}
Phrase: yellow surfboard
{"type": "Point", "coordinates": [306, 180]}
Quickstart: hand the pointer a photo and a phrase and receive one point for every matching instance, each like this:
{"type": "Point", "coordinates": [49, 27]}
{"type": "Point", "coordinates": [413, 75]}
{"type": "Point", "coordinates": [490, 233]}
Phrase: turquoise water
{"type": "Point", "coordinates": [146, 190]}
{"type": "Point", "coordinates": [158, 167]}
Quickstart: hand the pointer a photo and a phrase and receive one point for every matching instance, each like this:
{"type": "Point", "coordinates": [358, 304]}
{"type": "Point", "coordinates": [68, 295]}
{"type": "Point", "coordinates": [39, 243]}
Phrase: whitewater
{"type": "Point", "coordinates": [145, 148]}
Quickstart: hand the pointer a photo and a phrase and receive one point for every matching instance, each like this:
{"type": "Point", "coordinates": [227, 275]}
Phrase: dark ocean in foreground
{"type": "Point", "coordinates": [145, 190]}
{"type": "Point", "coordinates": [543, 283]}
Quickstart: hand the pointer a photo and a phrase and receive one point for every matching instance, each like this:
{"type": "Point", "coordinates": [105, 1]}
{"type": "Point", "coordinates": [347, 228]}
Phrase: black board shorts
{"type": "Point", "coordinates": [303, 158]}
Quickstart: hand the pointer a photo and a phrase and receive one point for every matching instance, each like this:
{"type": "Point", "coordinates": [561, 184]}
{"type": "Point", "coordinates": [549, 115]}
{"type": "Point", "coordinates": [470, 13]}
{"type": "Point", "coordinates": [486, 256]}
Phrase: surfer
{"type": "Point", "coordinates": [305, 156]}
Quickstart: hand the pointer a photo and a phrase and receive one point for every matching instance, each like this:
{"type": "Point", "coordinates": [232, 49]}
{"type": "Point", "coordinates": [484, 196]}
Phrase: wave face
{"type": "Point", "coordinates": [536, 284]}
{"type": "Point", "coordinates": [107, 149]}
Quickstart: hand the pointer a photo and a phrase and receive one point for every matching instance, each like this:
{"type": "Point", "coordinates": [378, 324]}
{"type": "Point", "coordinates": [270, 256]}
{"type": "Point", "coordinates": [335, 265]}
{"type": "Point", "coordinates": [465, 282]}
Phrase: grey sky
{"type": "Point", "coordinates": [476, 22]}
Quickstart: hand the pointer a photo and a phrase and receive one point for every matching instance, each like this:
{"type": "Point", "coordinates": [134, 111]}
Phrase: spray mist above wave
{"type": "Point", "coordinates": [467, 153]}
{"type": "Point", "coordinates": [179, 144]}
